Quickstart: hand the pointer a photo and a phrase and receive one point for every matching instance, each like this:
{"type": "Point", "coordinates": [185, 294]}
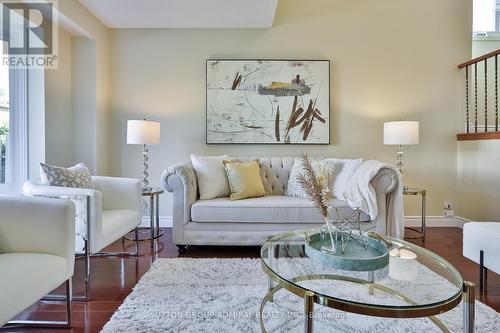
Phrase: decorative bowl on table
{"type": "Point", "coordinates": [371, 255]}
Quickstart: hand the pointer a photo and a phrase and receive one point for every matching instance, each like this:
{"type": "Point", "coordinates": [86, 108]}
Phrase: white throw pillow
{"type": "Point", "coordinates": [342, 175]}
{"type": "Point", "coordinates": [211, 175]}
{"type": "Point", "coordinates": [322, 168]}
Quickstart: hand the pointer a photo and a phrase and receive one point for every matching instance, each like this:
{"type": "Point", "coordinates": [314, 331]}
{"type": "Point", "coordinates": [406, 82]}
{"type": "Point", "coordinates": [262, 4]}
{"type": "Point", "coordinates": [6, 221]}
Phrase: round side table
{"type": "Point", "coordinates": [153, 231]}
{"type": "Point", "coordinates": [419, 231]}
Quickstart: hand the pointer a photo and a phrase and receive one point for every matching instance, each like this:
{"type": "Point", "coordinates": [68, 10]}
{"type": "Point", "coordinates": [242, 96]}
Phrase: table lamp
{"type": "Point", "coordinates": [401, 133]}
{"type": "Point", "coordinates": [143, 132]}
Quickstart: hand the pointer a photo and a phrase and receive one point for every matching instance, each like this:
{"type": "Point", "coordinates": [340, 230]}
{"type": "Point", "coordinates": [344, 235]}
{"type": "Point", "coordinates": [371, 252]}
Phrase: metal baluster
{"type": "Point", "coordinates": [486, 95]}
{"type": "Point", "coordinates": [467, 96]}
{"type": "Point", "coordinates": [475, 97]}
{"type": "Point", "coordinates": [496, 93]}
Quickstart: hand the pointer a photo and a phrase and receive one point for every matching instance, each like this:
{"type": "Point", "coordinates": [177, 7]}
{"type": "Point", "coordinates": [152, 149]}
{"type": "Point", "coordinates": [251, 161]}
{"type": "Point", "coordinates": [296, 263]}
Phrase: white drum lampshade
{"type": "Point", "coordinates": [143, 132]}
{"type": "Point", "coordinates": [401, 133]}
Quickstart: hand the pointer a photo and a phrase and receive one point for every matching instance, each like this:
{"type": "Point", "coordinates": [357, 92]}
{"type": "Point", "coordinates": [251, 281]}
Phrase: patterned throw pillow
{"type": "Point", "coordinates": [322, 168]}
{"type": "Point", "coordinates": [75, 176]}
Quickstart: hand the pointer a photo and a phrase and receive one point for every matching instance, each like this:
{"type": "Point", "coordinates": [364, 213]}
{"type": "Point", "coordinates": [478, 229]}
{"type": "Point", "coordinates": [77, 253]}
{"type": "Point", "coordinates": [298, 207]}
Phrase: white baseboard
{"type": "Point", "coordinates": [410, 221]}
{"type": "Point", "coordinates": [461, 221]}
{"type": "Point", "coordinates": [432, 221]}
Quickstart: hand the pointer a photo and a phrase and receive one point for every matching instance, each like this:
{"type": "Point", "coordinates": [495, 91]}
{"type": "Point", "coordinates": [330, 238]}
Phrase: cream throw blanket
{"type": "Point", "coordinates": [361, 194]}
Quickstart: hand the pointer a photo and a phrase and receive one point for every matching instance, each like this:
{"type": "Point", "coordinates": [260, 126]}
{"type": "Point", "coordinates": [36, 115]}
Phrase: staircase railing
{"type": "Point", "coordinates": [477, 125]}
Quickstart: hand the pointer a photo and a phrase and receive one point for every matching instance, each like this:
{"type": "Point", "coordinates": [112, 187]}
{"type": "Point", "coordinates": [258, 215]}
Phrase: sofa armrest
{"type": "Point", "coordinates": [181, 181]}
{"type": "Point", "coordinates": [38, 225]}
{"type": "Point", "coordinates": [390, 217]}
{"type": "Point", "coordinates": [35, 189]}
{"type": "Point", "coordinates": [40, 190]}
{"type": "Point", "coordinates": [120, 193]}
{"type": "Point", "coordinates": [385, 181]}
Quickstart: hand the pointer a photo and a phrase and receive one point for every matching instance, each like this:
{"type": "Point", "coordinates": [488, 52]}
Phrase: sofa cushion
{"type": "Point", "coordinates": [211, 175]}
{"type": "Point", "coordinates": [269, 209]}
{"type": "Point", "coordinates": [25, 278]}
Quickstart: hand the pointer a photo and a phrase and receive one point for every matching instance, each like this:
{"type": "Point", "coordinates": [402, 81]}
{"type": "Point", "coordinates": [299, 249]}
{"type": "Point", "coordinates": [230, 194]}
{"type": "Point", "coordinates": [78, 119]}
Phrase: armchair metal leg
{"type": "Point", "coordinates": [87, 255]}
{"type": "Point", "coordinates": [46, 323]}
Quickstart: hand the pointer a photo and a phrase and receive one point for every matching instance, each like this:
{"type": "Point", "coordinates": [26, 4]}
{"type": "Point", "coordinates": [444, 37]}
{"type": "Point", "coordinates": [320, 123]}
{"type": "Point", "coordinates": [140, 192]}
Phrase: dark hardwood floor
{"type": "Point", "coordinates": [113, 279]}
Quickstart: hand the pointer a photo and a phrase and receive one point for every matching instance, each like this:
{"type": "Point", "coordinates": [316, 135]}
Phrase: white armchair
{"type": "Point", "coordinates": [109, 212]}
{"type": "Point", "coordinates": [37, 256]}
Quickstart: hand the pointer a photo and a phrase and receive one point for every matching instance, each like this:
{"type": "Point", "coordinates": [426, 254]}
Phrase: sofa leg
{"type": "Point", "coordinates": [181, 249]}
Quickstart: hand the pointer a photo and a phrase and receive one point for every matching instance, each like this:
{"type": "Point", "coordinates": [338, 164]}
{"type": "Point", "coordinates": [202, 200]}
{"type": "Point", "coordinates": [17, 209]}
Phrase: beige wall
{"type": "Point", "coordinates": [478, 179]}
{"type": "Point", "coordinates": [58, 109]}
{"type": "Point", "coordinates": [390, 59]}
{"type": "Point", "coordinates": [67, 141]}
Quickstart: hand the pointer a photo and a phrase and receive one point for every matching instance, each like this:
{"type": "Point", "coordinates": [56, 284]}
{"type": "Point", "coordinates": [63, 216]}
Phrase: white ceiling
{"type": "Point", "coordinates": [183, 13]}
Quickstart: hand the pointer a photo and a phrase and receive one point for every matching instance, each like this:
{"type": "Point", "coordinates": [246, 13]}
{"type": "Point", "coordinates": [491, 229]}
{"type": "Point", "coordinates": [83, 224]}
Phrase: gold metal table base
{"type": "Point", "coordinates": [310, 298]}
{"type": "Point", "coordinates": [420, 233]}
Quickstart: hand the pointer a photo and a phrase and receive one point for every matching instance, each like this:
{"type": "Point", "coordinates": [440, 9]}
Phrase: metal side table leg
{"type": "Point", "coordinates": [157, 208]}
{"type": "Point", "coordinates": [152, 220]}
{"type": "Point", "coordinates": [469, 299]}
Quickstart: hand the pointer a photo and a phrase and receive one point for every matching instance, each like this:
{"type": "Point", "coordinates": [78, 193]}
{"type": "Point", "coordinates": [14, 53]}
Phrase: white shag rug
{"type": "Point", "coordinates": [224, 295]}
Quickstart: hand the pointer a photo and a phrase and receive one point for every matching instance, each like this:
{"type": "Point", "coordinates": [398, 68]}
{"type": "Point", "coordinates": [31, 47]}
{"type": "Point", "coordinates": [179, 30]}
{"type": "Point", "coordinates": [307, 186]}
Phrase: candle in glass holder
{"type": "Point", "coordinates": [402, 265]}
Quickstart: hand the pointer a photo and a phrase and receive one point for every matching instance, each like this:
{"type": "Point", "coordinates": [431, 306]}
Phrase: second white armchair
{"type": "Point", "coordinates": [103, 215]}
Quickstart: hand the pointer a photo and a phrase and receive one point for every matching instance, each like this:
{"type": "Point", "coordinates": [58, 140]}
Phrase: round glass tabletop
{"type": "Point", "coordinates": [415, 283]}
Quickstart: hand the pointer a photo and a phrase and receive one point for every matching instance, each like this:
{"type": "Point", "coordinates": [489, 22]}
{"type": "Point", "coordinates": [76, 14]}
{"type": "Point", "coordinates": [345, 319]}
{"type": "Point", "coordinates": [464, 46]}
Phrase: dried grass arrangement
{"type": "Point", "coordinates": [315, 187]}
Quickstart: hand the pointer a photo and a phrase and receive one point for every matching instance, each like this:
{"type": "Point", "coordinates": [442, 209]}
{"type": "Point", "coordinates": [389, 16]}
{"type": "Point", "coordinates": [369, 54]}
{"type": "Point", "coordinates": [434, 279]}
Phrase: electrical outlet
{"type": "Point", "coordinates": [449, 212]}
{"type": "Point", "coordinates": [447, 205]}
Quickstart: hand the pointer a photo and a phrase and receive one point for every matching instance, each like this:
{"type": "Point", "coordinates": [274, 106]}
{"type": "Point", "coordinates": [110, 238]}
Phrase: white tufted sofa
{"type": "Point", "coordinates": [250, 221]}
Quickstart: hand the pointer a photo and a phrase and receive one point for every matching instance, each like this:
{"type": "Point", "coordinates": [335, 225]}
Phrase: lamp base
{"type": "Point", "coordinates": [399, 158]}
{"type": "Point", "coordinates": [145, 167]}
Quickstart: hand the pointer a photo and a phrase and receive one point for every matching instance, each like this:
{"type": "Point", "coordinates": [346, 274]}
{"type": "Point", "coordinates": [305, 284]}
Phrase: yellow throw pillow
{"type": "Point", "coordinates": [244, 179]}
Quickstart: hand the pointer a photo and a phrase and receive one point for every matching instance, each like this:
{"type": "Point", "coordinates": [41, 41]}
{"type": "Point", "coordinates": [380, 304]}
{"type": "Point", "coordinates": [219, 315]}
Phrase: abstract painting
{"type": "Point", "coordinates": [268, 101]}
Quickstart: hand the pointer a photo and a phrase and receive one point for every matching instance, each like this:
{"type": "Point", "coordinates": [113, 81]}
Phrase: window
{"type": "Point", "coordinates": [13, 126]}
{"type": "Point", "coordinates": [486, 17]}
{"type": "Point", "coordinates": [5, 168]}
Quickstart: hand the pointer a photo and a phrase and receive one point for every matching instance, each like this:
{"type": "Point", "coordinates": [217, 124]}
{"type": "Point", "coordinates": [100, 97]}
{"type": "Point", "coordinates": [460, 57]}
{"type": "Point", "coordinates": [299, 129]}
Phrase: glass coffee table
{"type": "Point", "coordinates": [416, 283]}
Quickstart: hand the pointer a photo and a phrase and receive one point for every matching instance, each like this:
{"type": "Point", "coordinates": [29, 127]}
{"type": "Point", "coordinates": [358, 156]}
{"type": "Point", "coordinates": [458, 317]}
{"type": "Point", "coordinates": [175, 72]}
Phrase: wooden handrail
{"type": "Point", "coordinates": [478, 59]}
